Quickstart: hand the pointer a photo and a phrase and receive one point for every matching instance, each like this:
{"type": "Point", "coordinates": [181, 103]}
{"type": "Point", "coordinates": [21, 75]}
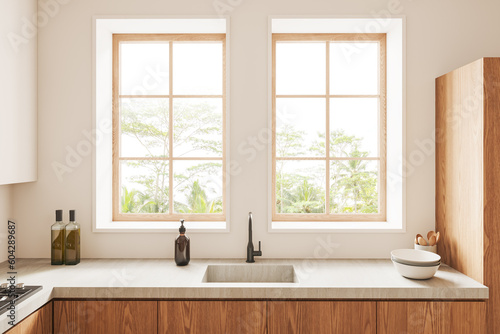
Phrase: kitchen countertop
{"type": "Point", "coordinates": [162, 279]}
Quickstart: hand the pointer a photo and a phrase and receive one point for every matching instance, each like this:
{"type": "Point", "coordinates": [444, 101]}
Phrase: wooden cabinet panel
{"type": "Point", "coordinates": [468, 177]}
{"type": "Point", "coordinates": [207, 317]}
{"type": "Point", "coordinates": [492, 191]}
{"type": "Point", "coordinates": [105, 316]}
{"type": "Point", "coordinates": [39, 322]}
{"type": "Point", "coordinates": [431, 317]}
{"type": "Point", "coordinates": [321, 317]}
{"type": "Point", "coordinates": [459, 165]}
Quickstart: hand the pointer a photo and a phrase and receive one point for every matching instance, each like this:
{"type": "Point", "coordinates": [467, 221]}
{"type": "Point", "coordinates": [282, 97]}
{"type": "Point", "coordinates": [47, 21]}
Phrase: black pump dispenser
{"type": "Point", "coordinates": [182, 251]}
{"type": "Point", "coordinates": [182, 229]}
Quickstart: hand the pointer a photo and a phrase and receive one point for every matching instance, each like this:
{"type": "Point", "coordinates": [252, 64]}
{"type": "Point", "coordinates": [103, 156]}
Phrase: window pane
{"type": "Point", "coordinates": [198, 127]}
{"type": "Point", "coordinates": [144, 186]}
{"type": "Point", "coordinates": [354, 68]}
{"type": "Point", "coordinates": [144, 68]}
{"type": "Point", "coordinates": [354, 186]}
{"type": "Point", "coordinates": [354, 127]}
{"type": "Point", "coordinates": [197, 68]}
{"type": "Point", "coordinates": [300, 186]}
{"type": "Point", "coordinates": [300, 127]}
{"type": "Point", "coordinates": [144, 127]}
{"type": "Point", "coordinates": [300, 68]}
{"type": "Point", "coordinates": [198, 186]}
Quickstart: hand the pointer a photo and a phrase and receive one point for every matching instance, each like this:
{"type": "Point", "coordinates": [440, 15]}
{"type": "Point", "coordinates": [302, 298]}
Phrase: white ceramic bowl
{"type": "Point", "coordinates": [416, 257]}
{"type": "Point", "coordinates": [415, 272]}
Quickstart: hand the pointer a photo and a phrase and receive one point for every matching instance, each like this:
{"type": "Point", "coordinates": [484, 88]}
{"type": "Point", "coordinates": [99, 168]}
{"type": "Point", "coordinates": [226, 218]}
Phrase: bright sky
{"type": "Point", "coordinates": [301, 70]}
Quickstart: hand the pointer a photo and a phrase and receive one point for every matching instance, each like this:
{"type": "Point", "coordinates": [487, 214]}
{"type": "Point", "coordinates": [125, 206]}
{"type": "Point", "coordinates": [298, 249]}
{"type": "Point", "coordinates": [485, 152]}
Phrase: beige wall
{"type": "Point", "coordinates": [5, 215]}
{"type": "Point", "coordinates": [441, 35]}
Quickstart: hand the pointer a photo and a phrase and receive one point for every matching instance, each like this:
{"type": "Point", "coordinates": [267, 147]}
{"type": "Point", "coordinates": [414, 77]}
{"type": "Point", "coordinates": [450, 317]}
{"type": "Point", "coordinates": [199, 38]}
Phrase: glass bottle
{"type": "Point", "coordinates": [57, 241]}
{"type": "Point", "coordinates": [182, 255]}
{"type": "Point", "coordinates": [72, 240]}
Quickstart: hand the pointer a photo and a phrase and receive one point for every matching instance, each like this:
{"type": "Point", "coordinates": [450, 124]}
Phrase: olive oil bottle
{"type": "Point", "coordinates": [72, 250]}
{"type": "Point", "coordinates": [57, 241]}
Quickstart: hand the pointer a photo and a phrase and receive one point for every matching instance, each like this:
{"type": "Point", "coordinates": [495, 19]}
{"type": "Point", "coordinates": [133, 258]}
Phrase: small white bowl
{"type": "Point", "coordinates": [432, 249]}
{"type": "Point", "coordinates": [415, 272]}
{"type": "Point", "coordinates": [417, 257]}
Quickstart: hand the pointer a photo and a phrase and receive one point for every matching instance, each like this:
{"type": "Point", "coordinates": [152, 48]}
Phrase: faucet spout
{"type": "Point", "coordinates": [250, 249]}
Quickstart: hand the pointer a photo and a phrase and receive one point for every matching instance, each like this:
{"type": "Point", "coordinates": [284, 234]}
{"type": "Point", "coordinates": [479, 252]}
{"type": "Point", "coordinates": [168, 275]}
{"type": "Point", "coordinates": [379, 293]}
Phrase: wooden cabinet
{"type": "Point", "coordinates": [321, 317]}
{"type": "Point", "coordinates": [415, 317]}
{"type": "Point", "coordinates": [39, 322]}
{"type": "Point", "coordinates": [468, 175]}
{"type": "Point", "coordinates": [255, 317]}
{"type": "Point", "coordinates": [212, 317]}
{"type": "Point", "coordinates": [105, 316]}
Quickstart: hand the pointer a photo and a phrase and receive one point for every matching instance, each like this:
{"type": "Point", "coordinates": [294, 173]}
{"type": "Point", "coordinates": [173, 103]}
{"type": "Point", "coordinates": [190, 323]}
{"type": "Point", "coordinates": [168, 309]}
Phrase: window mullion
{"type": "Point", "coordinates": [170, 129]}
{"type": "Point", "coordinates": [327, 134]}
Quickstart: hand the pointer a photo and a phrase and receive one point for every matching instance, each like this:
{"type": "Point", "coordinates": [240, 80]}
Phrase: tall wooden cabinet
{"type": "Point", "coordinates": [468, 175]}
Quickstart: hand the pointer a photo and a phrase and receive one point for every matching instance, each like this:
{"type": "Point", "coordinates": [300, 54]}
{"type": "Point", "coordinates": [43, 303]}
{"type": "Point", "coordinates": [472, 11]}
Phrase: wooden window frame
{"type": "Point", "coordinates": [382, 158]}
{"type": "Point", "coordinates": [171, 216]}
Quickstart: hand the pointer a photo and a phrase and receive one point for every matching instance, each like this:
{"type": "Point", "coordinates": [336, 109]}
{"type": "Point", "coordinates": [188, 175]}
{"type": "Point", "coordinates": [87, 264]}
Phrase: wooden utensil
{"type": "Point", "coordinates": [416, 238]}
{"type": "Point", "coordinates": [432, 240]}
{"type": "Point", "coordinates": [438, 237]}
{"type": "Point", "coordinates": [422, 242]}
{"type": "Point", "coordinates": [430, 234]}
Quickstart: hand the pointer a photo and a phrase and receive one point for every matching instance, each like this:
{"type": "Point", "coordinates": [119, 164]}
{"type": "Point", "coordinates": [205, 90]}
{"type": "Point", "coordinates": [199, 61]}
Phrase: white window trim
{"type": "Point", "coordinates": [395, 27]}
{"type": "Point", "coordinates": [103, 27]}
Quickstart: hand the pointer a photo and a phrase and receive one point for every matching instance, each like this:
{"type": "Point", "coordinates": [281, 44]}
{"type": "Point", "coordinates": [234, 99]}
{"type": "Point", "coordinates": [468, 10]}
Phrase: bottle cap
{"type": "Point", "coordinates": [182, 229]}
{"type": "Point", "coordinates": [71, 215]}
{"type": "Point", "coordinates": [59, 214]}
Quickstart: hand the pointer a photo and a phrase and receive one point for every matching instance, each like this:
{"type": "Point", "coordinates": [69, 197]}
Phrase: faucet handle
{"type": "Point", "coordinates": [259, 252]}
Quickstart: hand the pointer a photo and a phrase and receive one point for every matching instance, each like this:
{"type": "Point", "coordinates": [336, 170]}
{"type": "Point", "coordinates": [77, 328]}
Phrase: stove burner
{"type": "Point", "coordinates": [17, 295]}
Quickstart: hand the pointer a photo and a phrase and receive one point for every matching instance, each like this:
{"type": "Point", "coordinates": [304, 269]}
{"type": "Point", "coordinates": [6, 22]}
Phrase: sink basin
{"type": "Point", "coordinates": [250, 273]}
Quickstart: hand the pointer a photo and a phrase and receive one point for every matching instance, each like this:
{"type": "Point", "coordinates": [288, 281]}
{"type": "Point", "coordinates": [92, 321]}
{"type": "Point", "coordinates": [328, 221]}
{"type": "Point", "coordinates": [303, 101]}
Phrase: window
{"type": "Point", "coordinates": [169, 122]}
{"type": "Point", "coordinates": [329, 127]}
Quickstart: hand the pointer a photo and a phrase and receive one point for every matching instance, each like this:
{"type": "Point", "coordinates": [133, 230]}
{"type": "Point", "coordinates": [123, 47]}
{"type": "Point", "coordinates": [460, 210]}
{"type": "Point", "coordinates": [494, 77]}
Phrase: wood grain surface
{"type": "Point", "coordinates": [468, 175]}
{"type": "Point", "coordinates": [106, 317]}
{"type": "Point", "coordinates": [492, 190]}
{"type": "Point", "coordinates": [39, 322]}
{"type": "Point", "coordinates": [217, 317]}
{"type": "Point", "coordinates": [459, 169]}
{"type": "Point", "coordinates": [321, 317]}
{"type": "Point", "coordinates": [431, 317]}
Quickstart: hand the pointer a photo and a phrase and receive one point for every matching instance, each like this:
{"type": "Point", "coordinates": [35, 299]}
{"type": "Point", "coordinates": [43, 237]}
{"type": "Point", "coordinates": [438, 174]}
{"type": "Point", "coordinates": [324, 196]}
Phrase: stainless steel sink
{"type": "Point", "coordinates": [250, 273]}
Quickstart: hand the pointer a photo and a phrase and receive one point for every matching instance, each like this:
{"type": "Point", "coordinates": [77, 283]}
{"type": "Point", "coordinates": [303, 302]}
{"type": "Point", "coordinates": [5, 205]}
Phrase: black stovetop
{"type": "Point", "coordinates": [15, 296]}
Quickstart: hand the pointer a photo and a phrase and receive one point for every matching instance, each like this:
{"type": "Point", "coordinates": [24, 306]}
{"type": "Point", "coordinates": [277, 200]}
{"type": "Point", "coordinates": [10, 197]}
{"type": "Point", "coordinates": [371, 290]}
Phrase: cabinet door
{"type": "Point", "coordinates": [38, 322]}
{"type": "Point", "coordinates": [105, 316]}
{"type": "Point", "coordinates": [321, 317]}
{"type": "Point", "coordinates": [212, 317]}
{"type": "Point", "coordinates": [431, 317]}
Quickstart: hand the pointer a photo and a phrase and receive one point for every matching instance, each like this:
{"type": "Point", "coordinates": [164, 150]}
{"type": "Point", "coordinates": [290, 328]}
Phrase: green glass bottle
{"type": "Point", "coordinates": [57, 241]}
{"type": "Point", "coordinates": [72, 250]}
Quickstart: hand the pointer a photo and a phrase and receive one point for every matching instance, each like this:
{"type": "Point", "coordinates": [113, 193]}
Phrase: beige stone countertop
{"type": "Point", "coordinates": [162, 279]}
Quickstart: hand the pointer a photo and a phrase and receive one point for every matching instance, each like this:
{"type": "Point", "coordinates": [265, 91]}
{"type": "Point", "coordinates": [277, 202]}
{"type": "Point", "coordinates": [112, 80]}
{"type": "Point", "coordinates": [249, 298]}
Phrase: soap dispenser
{"type": "Point", "coordinates": [182, 256]}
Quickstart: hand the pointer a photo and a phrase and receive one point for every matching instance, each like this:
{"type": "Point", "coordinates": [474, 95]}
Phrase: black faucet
{"type": "Point", "coordinates": [250, 252]}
